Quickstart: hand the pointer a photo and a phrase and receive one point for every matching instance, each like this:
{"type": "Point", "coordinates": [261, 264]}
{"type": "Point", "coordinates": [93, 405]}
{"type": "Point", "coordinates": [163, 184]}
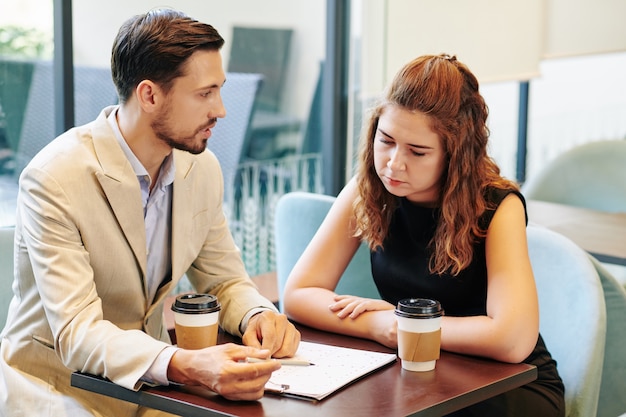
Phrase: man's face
{"type": "Point", "coordinates": [193, 104]}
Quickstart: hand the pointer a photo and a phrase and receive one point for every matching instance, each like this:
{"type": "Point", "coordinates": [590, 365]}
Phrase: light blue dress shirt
{"type": "Point", "coordinates": [157, 212]}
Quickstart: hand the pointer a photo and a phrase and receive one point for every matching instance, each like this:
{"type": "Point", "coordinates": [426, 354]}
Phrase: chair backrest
{"type": "Point", "coordinates": [298, 216]}
{"type": "Point", "coordinates": [6, 271]}
{"type": "Point", "coordinates": [232, 133]}
{"type": "Point", "coordinates": [94, 90]}
{"type": "Point", "coordinates": [16, 78]}
{"type": "Point", "coordinates": [613, 388]}
{"type": "Point", "coordinates": [265, 51]}
{"type": "Point", "coordinates": [590, 175]}
{"type": "Point", "coordinates": [572, 316]}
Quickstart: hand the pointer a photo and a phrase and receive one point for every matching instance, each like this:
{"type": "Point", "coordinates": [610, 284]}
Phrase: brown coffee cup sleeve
{"type": "Point", "coordinates": [420, 347]}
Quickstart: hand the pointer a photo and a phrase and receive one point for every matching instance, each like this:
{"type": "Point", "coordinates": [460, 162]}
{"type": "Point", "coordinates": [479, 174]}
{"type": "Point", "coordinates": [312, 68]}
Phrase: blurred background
{"type": "Point", "coordinates": [552, 73]}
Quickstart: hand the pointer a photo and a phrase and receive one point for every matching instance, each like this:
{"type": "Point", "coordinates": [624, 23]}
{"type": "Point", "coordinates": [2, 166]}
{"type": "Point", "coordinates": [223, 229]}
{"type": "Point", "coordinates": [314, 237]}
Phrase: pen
{"type": "Point", "coordinates": [292, 362]}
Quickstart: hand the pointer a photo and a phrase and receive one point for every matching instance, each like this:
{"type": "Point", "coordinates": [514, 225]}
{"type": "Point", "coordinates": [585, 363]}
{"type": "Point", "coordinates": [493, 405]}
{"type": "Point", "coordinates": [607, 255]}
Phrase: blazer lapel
{"type": "Point", "coordinates": [119, 183]}
{"type": "Point", "coordinates": [181, 212]}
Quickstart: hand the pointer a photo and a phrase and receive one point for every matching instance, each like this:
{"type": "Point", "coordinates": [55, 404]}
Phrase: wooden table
{"type": "Point", "coordinates": [602, 234]}
{"type": "Point", "coordinates": [457, 382]}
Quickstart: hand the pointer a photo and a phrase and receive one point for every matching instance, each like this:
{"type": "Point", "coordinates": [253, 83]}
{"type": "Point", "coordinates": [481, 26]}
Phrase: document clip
{"type": "Point", "coordinates": [279, 388]}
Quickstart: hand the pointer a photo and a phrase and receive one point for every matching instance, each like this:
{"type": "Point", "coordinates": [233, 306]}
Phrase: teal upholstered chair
{"type": "Point", "coordinates": [6, 271]}
{"type": "Point", "coordinates": [613, 389]}
{"type": "Point", "coordinates": [298, 216]}
{"type": "Point", "coordinates": [572, 316]}
{"type": "Point", "coordinates": [591, 175]}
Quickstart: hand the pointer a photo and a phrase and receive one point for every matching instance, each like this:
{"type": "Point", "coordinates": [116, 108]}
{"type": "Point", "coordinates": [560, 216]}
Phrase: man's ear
{"type": "Point", "coordinates": [148, 95]}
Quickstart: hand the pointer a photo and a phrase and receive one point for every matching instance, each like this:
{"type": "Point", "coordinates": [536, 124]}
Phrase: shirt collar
{"type": "Point", "coordinates": [166, 173]}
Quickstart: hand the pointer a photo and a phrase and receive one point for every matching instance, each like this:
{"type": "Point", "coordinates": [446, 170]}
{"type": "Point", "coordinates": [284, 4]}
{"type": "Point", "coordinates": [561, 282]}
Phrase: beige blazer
{"type": "Point", "coordinates": [80, 288]}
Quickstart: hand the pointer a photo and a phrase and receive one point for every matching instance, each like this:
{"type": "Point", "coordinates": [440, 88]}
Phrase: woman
{"type": "Point", "coordinates": [441, 223]}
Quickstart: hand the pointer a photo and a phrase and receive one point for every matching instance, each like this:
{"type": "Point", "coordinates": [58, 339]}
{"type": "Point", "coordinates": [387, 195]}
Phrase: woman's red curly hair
{"type": "Point", "coordinates": [447, 92]}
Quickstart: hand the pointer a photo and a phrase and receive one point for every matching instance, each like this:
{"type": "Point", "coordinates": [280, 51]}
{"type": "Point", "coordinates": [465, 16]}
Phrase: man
{"type": "Point", "coordinates": [110, 216]}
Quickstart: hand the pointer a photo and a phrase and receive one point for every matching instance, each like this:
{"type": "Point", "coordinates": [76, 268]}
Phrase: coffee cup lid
{"type": "Point", "coordinates": [419, 308]}
{"type": "Point", "coordinates": [196, 304]}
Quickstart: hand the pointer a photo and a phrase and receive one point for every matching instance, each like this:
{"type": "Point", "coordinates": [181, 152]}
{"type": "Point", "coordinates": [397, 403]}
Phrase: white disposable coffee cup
{"type": "Point", "coordinates": [419, 333]}
{"type": "Point", "coordinates": [196, 320]}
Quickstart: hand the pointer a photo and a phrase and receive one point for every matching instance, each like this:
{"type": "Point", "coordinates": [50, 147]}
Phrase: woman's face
{"type": "Point", "coordinates": [408, 156]}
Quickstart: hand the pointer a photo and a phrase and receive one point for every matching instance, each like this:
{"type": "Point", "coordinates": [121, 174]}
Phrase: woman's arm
{"type": "Point", "coordinates": [510, 329]}
{"type": "Point", "coordinates": [309, 291]}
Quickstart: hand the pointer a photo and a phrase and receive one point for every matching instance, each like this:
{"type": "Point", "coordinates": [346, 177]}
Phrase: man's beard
{"type": "Point", "coordinates": [188, 144]}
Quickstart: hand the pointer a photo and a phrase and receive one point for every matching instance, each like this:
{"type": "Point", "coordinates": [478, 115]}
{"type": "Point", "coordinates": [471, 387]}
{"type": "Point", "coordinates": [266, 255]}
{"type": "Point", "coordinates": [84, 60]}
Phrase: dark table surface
{"type": "Point", "coordinates": [456, 382]}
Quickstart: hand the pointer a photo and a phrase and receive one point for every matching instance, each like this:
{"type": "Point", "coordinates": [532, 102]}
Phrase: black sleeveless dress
{"type": "Point", "coordinates": [400, 271]}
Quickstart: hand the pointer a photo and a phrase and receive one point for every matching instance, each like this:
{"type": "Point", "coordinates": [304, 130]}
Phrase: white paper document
{"type": "Point", "coordinates": [333, 368]}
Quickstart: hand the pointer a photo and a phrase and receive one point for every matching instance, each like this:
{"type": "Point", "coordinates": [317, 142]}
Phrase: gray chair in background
{"type": "Point", "coordinates": [265, 51]}
{"type": "Point", "coordinates": [94, 90]}
{"type": "Point", "coordinates": [17, 75]}
{"type": "Point", "coordinates": [231, 135]}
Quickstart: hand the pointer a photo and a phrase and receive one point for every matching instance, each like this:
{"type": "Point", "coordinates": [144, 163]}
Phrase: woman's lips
{"type": "Point", "coordinates": [393, 182]}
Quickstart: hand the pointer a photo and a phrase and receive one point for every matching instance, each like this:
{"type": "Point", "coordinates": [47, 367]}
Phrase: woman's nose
{"type": "Point", "coordinates": [395, 161]}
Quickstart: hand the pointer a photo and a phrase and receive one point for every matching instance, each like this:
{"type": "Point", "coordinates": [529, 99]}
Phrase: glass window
{"type": "Point", "coordinates": [274, 149]}
{"type": "Point", "coordinates": [25, 46]}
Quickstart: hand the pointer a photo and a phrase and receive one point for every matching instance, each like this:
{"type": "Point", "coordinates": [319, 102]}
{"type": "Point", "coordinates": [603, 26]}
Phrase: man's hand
{"type": "Point", "coordinates": [272, 331]}
{"type": "Point", "coordinates": [224, 370]}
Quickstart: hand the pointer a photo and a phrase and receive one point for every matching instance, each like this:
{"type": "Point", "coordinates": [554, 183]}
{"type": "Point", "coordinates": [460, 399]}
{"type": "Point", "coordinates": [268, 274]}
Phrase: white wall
{"type": "Point", "coordinates": [20, 13]}
{"type": "Point", "coordinates": [500, 40]}
{"type": "Point", "coordinates": [573, 100]}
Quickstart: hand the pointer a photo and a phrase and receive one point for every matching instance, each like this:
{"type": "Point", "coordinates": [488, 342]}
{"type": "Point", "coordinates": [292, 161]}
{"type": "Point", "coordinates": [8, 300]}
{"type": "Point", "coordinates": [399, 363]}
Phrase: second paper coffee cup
{"type": "Point", "coordinates": [419, 333]}
{"type": "Point", "coordinates": [196, 320]}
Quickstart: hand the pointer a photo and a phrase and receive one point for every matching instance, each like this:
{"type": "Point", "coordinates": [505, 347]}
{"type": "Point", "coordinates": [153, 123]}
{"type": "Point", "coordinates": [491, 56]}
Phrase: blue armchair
{"type": "Point", "coordinates": [613, 388]}
{"type": "Point", "coordinates": [298, 216]}
{"type": "Point", "coordinates": [572, 316]}
{"type": "Point", "coordinates": [591, 175]}
{"type": "Point", "coordinates": [571, 298]}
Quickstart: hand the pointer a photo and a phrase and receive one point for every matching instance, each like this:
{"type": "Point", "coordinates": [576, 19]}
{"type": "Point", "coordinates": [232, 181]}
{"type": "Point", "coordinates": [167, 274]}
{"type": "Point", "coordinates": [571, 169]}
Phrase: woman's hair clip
{"type": "Point", "coordinates": [448, 57]}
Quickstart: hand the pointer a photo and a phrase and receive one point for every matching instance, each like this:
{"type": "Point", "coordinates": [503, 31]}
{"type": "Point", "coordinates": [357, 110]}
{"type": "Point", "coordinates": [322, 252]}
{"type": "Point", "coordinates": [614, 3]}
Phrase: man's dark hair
{"type": "Point", "coordinates": [155, 46]}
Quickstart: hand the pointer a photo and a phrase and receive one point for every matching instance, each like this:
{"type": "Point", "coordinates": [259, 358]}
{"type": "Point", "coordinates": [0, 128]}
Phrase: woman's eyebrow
{"type": "Point", "coordinates": [384, 133]}
{"type": "Point", "coordinates": [419, 146]}
{"type": "Point", "coordinates": [408, 144]}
